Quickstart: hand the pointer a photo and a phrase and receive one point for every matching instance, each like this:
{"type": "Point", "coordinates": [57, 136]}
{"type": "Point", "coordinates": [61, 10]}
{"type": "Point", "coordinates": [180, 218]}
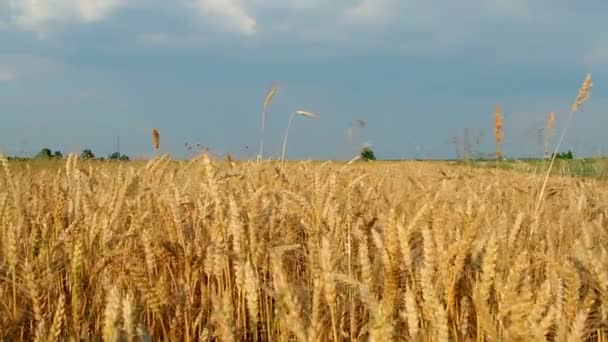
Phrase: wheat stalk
{"type": "Point", "coordinates": [306, 113]}
{"type": "Point", "coordinates": [58, 319]}
{"type": "Point", "coordinates": [329, 288]}
{"type": "Point", "coordinates": [498, 134]}
{"type": "Point", "coordinates": [251, 294]}
{"type": "Point", "coordinates": [112, 315]}
{"type": "Point", "coordinates": [128, 317]}
{"type": "Point", "coordinates": [203, 251]}
{"type": "Point", "coordinates": [155, 140]}
{"type": "Point", "coordinates": [582, 96]}
{"type": "Point", "coordinates": [267, 101]}
{"type": "Point", "coordinates": [550, 130]}
{"type": "Point", "coordinates": [299, 112]}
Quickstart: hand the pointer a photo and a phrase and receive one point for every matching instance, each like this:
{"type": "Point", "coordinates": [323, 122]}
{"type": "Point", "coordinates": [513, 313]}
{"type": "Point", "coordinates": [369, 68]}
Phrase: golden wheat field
{"type": "Point", "coordinates": [207, 250]}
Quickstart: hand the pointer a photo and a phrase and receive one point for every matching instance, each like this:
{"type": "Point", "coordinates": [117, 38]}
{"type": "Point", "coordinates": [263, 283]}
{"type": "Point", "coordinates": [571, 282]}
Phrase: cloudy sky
{"type": "Point", "coordinates": [77, 74]}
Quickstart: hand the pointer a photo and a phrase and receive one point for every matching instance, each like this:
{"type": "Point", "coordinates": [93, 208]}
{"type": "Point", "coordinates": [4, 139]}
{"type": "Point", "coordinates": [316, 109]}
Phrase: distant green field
{"type": "Point", "coordinates": [583, 167]}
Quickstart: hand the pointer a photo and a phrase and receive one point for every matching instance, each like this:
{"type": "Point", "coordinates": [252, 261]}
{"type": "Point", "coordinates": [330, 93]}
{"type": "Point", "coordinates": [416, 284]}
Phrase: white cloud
{"type": "Point", "coordinates": [95, 10]}
{"type": "Point", "coordinates": [229, 15]}
{"type": "Point", "coordinates": [303, 18]}
{"type": "Point", "coordinates": [411, 25]}
{"type": "Point", "coordinates": [38, 15]}
{"type": "Point", "coordinates": [6, 75]}
{"type": "Point", "coordinates": [31, 14]}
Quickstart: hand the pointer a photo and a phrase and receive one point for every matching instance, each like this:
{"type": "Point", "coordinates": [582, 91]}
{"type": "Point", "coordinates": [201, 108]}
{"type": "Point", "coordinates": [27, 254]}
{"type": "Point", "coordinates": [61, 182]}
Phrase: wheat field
{"type": "Point", "coordinates": [204, 250]}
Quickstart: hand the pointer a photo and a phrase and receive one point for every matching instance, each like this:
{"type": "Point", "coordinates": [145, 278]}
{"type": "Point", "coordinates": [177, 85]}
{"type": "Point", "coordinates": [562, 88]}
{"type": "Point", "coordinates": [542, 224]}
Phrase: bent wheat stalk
{"type": "Point", "coordinates": [300, 113]}
{"type": "Point", "coordinates": [349, 163]}
{"type": "Point", "coordinates": [583, 95]}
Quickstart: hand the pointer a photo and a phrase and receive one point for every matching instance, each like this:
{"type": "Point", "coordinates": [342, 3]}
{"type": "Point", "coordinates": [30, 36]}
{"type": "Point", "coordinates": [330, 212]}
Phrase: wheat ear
{"type": "Point", "coordinates": [155, 140]}
{"type": "Point", "coordinates": [498, 135]}
{"type": "Point", "coordinates": [549, 136]}
{"type": "Point", "coordinates": [583, 95]}
{"type": "Point", "coordinates": [267, 101]}
{"type": "Point", "coordinates": [300, 112]}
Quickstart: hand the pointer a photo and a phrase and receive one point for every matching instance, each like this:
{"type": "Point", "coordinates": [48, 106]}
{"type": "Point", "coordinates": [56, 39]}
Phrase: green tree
{"type": "Point", "coordinates": [569, 155]}
{"type": "Point", "coordinates": [565, 155]}
{"type": "Point", "coordinates": [118, 156]}
{"type": "Point", "coordinates": [58, 155]}
{"type": "Point", "coordinates": [367, 154]}
{"type": "Point", "coordinates": [87, 154]}
{"type": "Point", "coordinates": [114, 156]}
{"type": "Point", "coordinates": [45, 153]}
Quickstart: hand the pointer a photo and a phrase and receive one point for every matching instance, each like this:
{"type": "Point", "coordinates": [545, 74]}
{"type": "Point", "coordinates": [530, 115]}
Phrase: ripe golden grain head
{"type": "Point", "coordinates": [550, 122]}
{"type": "Point", "coordinates": [549, 133]}
{"type": "Point", "coordinates": [498, 122]}
{"type": "Point", "coordinates": [386, 255]}
{"type": "Point", "coordinates": [307, 114]}
{"type": "Point", "coordinates": [269, 95]}
{"type": "Point", "coordinates": [583, 93]}
{"type": "Point", "coordinates": [155, 139]}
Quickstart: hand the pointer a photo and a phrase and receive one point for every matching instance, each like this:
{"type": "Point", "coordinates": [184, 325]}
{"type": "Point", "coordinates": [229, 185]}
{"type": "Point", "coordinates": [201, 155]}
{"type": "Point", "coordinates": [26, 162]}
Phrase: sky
{"type": "Point", "coordinates": [78, 74]}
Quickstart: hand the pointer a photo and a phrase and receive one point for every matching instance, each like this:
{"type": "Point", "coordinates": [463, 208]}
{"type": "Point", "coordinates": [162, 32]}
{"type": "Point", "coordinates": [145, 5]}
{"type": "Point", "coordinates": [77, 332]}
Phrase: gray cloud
{"type": "Point", "coordinates": [511, 27]}
{"type": "Point", "coordinates": [415, 69]}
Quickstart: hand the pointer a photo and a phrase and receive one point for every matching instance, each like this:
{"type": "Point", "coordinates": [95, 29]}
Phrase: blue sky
{"type": "Point", "coordinates": [76, 74]}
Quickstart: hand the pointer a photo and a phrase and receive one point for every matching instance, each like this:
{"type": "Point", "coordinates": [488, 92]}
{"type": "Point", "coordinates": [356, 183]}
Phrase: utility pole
{"type": "Point", "coordinates": [118, 146]}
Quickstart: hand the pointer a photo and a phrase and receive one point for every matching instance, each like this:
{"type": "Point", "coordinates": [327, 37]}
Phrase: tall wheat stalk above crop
{"type": "Point", "coordinates": [155, 140]}
{"type": "Point", "coordinates": [498, 134]}
{"type": "Point", "coordinates": [300, 113]}
{"type": "Point", "coordinates": [549, 132]}
{"type": "Point", "coordinates": [267, 101]}
{"type": "Point", "coordinates": [583, 95]}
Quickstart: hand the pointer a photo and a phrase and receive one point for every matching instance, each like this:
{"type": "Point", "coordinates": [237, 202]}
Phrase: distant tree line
{"type": "Point", "coordinates": [564, 155]}
{"type": "Point", "coordinates": [86, 154]}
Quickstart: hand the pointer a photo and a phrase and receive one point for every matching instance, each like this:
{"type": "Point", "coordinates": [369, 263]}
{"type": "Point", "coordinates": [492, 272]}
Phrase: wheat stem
{"type": "Point", "coordinates": [262, 129]}
{"type": "Point", "coordinates": [582, 96]}
{"type": "Point", "coordinates": [286, 136]}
